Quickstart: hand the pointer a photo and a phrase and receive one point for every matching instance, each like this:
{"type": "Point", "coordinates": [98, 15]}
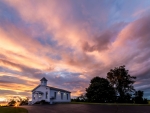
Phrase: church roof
{"type": "Point", "coordinates": [58, 89]}
{"type": "Point", "coordinates": [43, 79]}
{"type": "Point", "coordinates": [53, 88]}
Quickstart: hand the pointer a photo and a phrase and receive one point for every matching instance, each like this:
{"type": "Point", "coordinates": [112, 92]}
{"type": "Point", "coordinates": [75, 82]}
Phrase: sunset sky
{"type": "Point", "coordinates": [71, 41]}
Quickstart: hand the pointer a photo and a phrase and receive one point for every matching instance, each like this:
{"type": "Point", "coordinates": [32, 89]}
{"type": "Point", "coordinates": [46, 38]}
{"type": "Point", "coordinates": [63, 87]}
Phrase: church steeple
{"type": "Point", "coordinates": [43, 81]}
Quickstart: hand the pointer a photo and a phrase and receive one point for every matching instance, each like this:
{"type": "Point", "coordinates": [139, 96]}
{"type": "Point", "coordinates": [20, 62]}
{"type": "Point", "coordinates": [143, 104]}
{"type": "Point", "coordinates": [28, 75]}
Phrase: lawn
{"type": "Point", "coordinates": [12, 110]}
{"type": "Point", "coordinates": [130, 104]}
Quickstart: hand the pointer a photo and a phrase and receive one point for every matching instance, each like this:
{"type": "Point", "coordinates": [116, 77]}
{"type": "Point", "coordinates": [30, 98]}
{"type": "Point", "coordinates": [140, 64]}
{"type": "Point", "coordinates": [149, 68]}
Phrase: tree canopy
{"type": "Point", "coordinates": [120, 79]}
{"type": "Point", "coordinates": [100, 90]}
{"type": "Point", "coordinates": [118, 87]}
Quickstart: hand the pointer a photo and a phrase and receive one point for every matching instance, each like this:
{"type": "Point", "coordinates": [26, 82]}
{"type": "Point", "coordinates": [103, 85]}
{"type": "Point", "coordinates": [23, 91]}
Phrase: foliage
{"type": "Point", "coordinates": [41, 102]}
{"type": "Point", "coordinates": [118, 87]}
{"type": "Point", "coordinates": [100, 90]}
{"type": "Point", "coordinates": [145, 101]}
{"type": "Point", "coordinates": [148, 101]}
{"type": "Point", "coordinates": [76, 100]}
{"type": "Point", "coordinates": [126, 99]}
{"type": "Point", "coordinates": [138, 99]}
{"type": "Point", "coordinates": [12, 103]}
{"type": "Point", "coordinates": [122, 82]}
{"type": "Point", "coordinates": [19, 100]}
{"type": "Point", "coordinates": [81, 98]}
{"type": "Point", "coordinates": [24, 101]}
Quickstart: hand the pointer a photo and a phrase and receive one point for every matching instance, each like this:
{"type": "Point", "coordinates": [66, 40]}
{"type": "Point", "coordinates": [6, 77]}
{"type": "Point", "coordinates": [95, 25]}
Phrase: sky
{"type": "Point", "coordinates": [71, 41]}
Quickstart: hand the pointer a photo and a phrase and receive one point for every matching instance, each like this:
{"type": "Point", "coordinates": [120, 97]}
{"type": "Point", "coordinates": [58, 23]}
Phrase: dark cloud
{"type": "Point", "coordinates": [104, 40]}
{"type": "Point", "coordinates": [70, 45]}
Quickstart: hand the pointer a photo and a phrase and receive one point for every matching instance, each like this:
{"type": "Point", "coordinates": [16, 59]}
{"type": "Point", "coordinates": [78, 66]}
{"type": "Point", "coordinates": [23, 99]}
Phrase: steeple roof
{"type": "Point", "coordinates": [43, 79]}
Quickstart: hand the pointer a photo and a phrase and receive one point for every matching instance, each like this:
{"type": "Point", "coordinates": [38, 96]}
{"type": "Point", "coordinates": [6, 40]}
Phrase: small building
{"type": "Point", "coordinates": [49, 94]}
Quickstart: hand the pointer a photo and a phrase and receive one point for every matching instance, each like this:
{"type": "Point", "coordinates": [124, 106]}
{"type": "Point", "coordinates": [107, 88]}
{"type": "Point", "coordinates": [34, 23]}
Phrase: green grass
{"type": "Point", "coordinates": [128, 104]}
{"type": "Point", "coordinates": [12, 110]}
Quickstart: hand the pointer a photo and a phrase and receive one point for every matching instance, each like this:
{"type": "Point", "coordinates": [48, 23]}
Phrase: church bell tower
{"type": "Point", "coordinates": [43, 81]}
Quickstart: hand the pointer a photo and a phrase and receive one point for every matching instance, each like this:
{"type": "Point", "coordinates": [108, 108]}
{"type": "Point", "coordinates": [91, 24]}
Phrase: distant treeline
{"type": "Point", "coordinates": [116, 88]}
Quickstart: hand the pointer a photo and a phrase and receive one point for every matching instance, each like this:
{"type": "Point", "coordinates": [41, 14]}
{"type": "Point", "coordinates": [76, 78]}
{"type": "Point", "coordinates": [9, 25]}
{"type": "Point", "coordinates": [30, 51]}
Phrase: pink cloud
{"type": "Point", "coordinates": [81, 46]}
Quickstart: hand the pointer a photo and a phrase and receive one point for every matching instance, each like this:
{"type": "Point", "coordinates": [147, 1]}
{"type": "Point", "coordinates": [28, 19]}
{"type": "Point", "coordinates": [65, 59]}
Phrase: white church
{"type": "Point", "coordinates": [49, 94]}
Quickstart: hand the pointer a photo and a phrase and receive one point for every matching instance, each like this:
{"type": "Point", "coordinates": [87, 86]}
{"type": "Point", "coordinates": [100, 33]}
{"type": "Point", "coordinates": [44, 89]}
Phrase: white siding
{"type": "Point", "coordinates": [58, 96]}
{"type": "Point", "coordinates": [50, 94]}
{"type": "Point", "coordinates": [43, 89]}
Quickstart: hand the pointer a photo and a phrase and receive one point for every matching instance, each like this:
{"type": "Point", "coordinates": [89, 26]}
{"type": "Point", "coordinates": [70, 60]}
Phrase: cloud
{"type": "Point", "coordinates": [25, 51]}
{"type": "Point", "coordinates": [69, 42]}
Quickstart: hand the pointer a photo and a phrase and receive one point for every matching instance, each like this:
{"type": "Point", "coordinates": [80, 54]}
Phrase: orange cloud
{"type": "Point", "coordinates": [16, 87]}
{"type": "Point", "coordinates": [24, 52]}
{"type": "Point", "coordinates": [80, 47]}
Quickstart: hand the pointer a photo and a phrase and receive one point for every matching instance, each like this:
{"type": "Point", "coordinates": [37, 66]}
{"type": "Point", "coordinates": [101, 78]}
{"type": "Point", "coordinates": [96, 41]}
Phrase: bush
{"type": "Point", "coordinates": [145, 101]}
{"type": "Point", "coordinates": [41, 102]}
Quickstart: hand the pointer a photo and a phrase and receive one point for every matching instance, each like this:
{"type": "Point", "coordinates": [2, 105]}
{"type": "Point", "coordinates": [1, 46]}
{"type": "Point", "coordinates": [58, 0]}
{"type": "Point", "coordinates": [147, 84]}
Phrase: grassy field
{"type": "Point", "coordinates": [112, 103]}
{"type": "Point", "coordinates": [12, 110]}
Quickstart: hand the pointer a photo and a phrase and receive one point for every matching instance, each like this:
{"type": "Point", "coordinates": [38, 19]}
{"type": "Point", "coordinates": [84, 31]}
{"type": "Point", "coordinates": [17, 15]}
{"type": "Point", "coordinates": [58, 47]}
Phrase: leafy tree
{"type": "Point", "coordinates": [139, 98]}
{"type": "Point", "coordinates": [145, 101]}
{"type": "Point", "coordinates": [24, 101]}
{"type": "Point", "coordinates": [12, 102]}
{"type": "Point", "coordinates": [121, 81]}
{"type": "Point", "coordinates": [100, 90]}
{"type": "Point", "coordinates": [127, 98]}
{"type": "Point", "coordinates": [139, 94]}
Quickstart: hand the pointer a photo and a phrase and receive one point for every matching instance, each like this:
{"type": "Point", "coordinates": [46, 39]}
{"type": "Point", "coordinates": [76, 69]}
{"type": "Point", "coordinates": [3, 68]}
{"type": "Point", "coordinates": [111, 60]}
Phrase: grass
{"type": "Point", "coordinates": [12, 110]}
{"type": "Point", "coordinates": [128, 104]}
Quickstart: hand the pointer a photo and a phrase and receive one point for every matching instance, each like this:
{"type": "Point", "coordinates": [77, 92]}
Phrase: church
{"type": "Point", "coordinates": [49, 94]}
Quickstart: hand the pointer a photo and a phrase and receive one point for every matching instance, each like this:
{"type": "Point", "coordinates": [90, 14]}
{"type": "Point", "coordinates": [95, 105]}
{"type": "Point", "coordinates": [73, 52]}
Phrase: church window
{"type": "Point", "coordinates": [46, 95]}
{"type": "Point", "coordinates": [34, 97]}
{"type": "Point", "coordinates": [61, 96]}
{"type": "Point", "coordinates": [67, 96]}
{"type": "Point", "coordinates": [55, 95]}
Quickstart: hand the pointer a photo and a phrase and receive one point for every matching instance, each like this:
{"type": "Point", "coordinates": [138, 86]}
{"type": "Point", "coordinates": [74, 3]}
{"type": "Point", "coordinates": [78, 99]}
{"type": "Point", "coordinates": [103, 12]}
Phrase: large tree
{"type": "Point", "coordinates": [100, 90]}
{"type": "Point", "coordinates": [121, 80]}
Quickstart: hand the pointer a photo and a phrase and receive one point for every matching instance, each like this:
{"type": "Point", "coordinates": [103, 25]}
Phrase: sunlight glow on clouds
{"type": "Point", "coordinates": [69, 42]}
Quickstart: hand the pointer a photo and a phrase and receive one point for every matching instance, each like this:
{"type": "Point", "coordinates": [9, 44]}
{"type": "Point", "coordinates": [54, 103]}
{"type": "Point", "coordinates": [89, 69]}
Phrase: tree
{"type": "Point", "coordinates": [121, 81]}
{"type": "Point", "coordinates": [139, 98]}
{"type": "Point", "coordinates": [12, 102]}
{"type": "Point", "coordinates": [100, 90]}
{"type": "Point", "coordinates": [82, 98]}
{"type": "Point", "coordinates": [24, 101]}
